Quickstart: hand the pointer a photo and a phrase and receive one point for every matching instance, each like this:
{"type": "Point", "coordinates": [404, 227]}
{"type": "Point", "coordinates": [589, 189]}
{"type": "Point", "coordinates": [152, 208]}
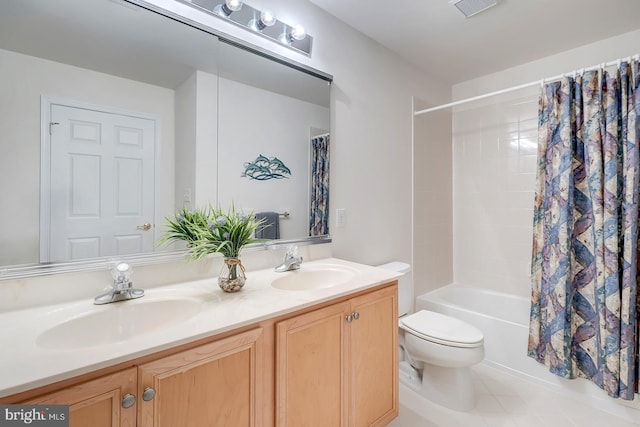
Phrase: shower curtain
{"type": "Point", "coordinates": [585, 301]}
{"type": "Point", "coordinates": [319, 210]}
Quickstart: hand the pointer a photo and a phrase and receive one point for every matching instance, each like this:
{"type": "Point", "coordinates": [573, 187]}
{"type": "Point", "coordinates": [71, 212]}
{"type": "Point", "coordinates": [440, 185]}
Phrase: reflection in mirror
{"type": "Point", "coordinates": [265, 127]}
{"type": "Point", "coordinates": [88, 124]}
{"type": "Point", "coordinates": [110, 122]}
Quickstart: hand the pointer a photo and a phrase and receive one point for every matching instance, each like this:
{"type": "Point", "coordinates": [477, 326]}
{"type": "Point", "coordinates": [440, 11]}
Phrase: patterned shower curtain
{"type": "Point", "coordinates": [585, 301]}
{"type": "Point", "coordinates": [319, 212]}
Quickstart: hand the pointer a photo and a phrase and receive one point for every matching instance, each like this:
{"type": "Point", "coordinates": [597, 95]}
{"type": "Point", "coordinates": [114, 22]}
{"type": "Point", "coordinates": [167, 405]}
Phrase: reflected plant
{"type": "Point", "coordinates": [208, 230]}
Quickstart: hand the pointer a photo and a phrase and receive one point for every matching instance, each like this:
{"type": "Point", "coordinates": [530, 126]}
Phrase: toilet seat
{"type": "Point", "coordinates": [442, 329]}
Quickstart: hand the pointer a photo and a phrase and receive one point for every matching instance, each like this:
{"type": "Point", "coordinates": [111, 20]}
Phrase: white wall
{"type": "Point", "coordinates": [206, 160]}
{"type": "Point", "coordinates": [197, 141]}
{"type": "Point", "coordinates": [495, 148]}
{"type": "Point", "coordinates": [240, 141]}
{"type": "Point", "coordinates": [24, 80]}
{"type": "Point", "coordinates": [585, 56]}
{"type": "Point", "coordinates": [186, 114]}
{"type": "Point", "coordinates": [371, 126]}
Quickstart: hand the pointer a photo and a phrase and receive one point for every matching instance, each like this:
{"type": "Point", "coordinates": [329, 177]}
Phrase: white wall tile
{"type": "Point", "coordinates": [433, 201]}
{"type": "Point", "coordinates": [493, 193]}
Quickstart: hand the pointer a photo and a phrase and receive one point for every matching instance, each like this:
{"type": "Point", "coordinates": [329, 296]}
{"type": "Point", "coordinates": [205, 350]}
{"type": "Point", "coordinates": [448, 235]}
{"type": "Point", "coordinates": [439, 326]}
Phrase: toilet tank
{"type": "Point", "coordinates": [405, 286]}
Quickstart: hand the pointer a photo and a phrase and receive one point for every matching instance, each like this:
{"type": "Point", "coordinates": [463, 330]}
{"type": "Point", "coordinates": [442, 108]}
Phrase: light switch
{"type": "Point", "coordinates": [186, 197]}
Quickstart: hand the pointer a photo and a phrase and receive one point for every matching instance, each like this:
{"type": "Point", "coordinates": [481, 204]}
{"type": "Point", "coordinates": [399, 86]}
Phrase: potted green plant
{"type": "Point", "coordinates": [208, 230]}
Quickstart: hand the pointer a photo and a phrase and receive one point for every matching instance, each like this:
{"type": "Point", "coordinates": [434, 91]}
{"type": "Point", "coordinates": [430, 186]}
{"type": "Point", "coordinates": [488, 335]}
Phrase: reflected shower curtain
{"type": "Point", "coordinates": [584, 308]}
{"type": "Point", "coordinates": [319, 212]}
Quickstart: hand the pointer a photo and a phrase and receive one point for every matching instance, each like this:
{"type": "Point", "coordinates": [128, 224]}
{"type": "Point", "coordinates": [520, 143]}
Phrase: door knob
{"type": "Point", "coordinates": [146, 226]}
{"type": "Point", "coordinates": [356, 315]}
{"type": "Point", "coordinates": [148, 394]}
{"type": "Point", "coordinates": [128, 400]}
{"type": "Point", "coordinates": [349, 318]}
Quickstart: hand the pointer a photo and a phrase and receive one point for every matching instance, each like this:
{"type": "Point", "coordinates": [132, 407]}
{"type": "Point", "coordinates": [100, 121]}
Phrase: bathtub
{"type": "Point", "coordinates": [504, 320]}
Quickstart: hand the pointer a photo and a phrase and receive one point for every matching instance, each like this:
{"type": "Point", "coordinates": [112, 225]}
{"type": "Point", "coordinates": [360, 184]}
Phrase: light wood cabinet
{"type": "Point", "coordinates": [215, 384]}
{"type": "Point", "coordinates": [97, 403]}
{"type": "Point", "coordinates": [311, 375]}
{"type": "Point", "coordinates": [338, 365]}
{"type": "Point", "coordinates": [332, 365]}
{"type": "Point", "coordinates": [211, 385]}
{"type": "Point", "coordinates": [374, 359]}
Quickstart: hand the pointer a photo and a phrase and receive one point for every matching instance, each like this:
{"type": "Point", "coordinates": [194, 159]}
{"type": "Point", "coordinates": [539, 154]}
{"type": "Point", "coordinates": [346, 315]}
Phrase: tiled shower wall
{"type": "Point", "coordinates": [432, 201]}
{"type": "Point", "coordinates": [494, 164]}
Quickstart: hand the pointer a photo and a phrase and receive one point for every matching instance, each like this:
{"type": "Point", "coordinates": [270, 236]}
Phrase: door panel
{"type": "Point", "coordinates": [97, 402]}
{"type": "Point", "coordinates": [312, 350]}
{"type": "Point", "coordinates": [102, 183]}
{"type": "Point", "coordinates": [374, 359]}
{"type": "Point", "coordinates": [216, 384]}
{"type": "Point", "coordinates": [85, 186]}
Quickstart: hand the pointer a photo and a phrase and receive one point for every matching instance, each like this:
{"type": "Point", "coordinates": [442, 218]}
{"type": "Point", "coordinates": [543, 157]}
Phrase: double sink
{"type": "Point", "coordinates": [117, 322]}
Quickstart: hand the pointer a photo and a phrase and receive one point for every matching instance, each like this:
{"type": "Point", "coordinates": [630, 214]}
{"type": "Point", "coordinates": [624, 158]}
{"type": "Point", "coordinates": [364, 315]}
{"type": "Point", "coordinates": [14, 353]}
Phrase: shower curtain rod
{"type": "Point", "coordinates": [523, 86]}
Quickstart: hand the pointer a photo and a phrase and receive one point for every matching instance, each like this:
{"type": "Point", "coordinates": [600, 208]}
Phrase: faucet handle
{"type": "Point", "coordinates": [121, 274]}
{"type": "Point", "coordinates": [122, 288]}
{"type": "Point", "coordinates": [292, 251]}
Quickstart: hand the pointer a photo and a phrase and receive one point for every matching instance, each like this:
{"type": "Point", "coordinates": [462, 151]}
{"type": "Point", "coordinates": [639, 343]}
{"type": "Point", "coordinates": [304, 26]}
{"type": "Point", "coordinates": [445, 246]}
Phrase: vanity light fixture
{"type": "Point", "coordinates": [267, 19]}
{"type": "Point", "coordinates": [262, 22]}
{"type": "Point", "coordinates": [227, 8]}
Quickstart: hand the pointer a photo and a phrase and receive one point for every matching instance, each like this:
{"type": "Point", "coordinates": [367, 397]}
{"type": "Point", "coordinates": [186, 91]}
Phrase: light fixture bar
{"type": "Point", "coordinates": [260, 22]}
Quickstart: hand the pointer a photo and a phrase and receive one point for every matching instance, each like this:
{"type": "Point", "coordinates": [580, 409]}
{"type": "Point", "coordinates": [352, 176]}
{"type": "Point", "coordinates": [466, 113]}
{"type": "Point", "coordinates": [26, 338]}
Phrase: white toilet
{"type": "Point", "coordinates": [436, 351]}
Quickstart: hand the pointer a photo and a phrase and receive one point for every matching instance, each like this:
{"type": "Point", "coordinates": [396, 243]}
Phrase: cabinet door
{"type": "Point", "coordinates": [311, 351]}
{"type": "Point", "coordinates": [97, 403]}
{"type": "Point", "coordinates": [215, 384]}
{"type": "Point", "coordinates": [374, 358]}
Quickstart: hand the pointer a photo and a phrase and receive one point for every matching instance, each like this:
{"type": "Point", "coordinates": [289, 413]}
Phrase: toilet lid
{"type": "Point", "coordinates": [442, 329]}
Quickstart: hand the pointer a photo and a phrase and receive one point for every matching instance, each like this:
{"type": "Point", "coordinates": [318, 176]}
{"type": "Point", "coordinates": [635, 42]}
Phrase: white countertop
{"type": "Point", "coordinates": [26, 361]}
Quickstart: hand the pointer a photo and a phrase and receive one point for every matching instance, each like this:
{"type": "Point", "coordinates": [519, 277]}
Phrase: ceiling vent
{"type": "Point", "coordinates": [472, 7]}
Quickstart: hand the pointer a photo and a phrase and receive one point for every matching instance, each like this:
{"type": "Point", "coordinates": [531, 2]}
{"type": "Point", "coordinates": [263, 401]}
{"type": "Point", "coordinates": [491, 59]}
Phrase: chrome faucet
{"type": "Point", "coordinates": [122, 286]}
{"type": "Point", "coordinates": [291, 260]}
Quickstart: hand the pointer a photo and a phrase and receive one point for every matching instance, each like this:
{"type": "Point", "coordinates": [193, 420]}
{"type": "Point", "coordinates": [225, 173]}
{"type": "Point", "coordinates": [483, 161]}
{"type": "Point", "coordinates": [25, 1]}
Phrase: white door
{"type": "Point", "coordinates": [101, 184]}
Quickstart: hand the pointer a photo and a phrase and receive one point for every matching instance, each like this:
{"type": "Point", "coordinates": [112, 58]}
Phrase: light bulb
{"type": "Point", "coordinates": [267, 19]}
{"type": "Point", "coordinates": [298, 32]}
{"type": "Point", "coordinates": [228, 7]}
{"type": "Point", "coordinates": [233, 5]}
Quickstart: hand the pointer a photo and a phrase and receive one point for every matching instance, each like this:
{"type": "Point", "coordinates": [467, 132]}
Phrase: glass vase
{"type": "Point", "coordinates": [232, 275]}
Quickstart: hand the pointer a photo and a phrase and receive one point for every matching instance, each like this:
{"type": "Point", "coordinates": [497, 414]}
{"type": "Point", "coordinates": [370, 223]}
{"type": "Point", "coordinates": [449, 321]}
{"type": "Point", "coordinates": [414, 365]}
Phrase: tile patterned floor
{"type": "Point", "coordinates": [504, 400]}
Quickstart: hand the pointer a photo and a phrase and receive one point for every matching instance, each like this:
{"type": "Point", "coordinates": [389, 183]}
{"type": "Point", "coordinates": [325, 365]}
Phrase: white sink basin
{"type": "Point", "coordinates": [310, 277]}
{"type": "Point", "coordinates": [117, 322]}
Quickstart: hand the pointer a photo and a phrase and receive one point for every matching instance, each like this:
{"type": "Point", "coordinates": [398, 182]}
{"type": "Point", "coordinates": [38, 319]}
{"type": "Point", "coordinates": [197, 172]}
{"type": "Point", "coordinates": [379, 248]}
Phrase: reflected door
{"type": "Point", "coordinates": [101, 184]}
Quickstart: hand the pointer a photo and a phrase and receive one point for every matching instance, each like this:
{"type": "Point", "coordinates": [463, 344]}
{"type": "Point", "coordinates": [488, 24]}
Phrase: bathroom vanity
{"type": "Point", "coordinates": [322, 353]}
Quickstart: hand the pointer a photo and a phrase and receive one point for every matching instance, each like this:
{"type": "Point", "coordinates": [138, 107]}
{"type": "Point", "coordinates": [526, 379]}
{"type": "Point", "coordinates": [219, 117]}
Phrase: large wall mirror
{"type": "Point", "coordinates": [113, 116]}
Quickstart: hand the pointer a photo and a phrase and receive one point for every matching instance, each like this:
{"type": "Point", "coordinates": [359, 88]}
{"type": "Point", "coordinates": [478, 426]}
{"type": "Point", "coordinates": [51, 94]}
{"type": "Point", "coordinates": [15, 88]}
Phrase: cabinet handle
{"type": "Point", "coordinates": [128, 400]}
{"type": "Point", "coordinates": [356, 315]}
{"type": "Point", "coordinates": [349, 318]}
{"type": "Point", "coordinates": [148, 394]}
